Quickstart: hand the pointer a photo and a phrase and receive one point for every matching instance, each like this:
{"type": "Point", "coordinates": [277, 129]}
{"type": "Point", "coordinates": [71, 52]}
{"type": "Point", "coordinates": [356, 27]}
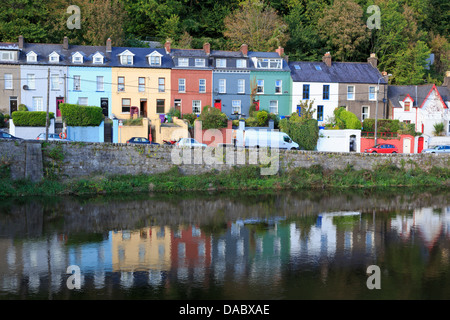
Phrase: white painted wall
{"type": "Point", "coordinates": [338, 140]}
{"type": "Point", "coordinates": [29, 133]}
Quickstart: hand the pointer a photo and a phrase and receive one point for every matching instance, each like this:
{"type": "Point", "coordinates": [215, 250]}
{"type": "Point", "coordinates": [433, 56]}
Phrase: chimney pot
{"type": "Point", "coordinates": [66, 43]}
{"type": "Point", "coordinates": [327, 59]}
{"type": "Point", "coordinates": [373, 60]}
{"type": "Point", "coordinates": [108, 45]}
{"type": "Point", "coordinates": [244, 49]}
{"type": "Point", "coordinates": [280, 51]}
{"type": "Point", "coordinates": [20, 42]}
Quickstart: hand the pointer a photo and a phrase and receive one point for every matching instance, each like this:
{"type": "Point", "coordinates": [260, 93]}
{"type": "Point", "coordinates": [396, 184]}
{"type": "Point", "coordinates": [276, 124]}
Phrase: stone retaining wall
{"type": "Point", "coordinates": [77, 160]}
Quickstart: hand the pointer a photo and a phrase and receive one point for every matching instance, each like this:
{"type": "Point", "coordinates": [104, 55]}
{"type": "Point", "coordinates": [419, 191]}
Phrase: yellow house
{"type": "Point", "coordinates": [140, 82]}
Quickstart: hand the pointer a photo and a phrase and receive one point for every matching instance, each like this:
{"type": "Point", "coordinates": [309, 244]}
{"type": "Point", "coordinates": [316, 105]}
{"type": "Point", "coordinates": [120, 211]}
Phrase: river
{"type": "Point", "coordinates": [279, 246]}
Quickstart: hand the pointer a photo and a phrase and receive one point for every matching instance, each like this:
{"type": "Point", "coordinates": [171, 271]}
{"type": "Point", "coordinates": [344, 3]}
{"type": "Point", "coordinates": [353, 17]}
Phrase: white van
{"type": "Point", "coordinates": [264, 138]}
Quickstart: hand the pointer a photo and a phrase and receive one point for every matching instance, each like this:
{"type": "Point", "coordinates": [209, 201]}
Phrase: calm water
{"type": "Point", "coordinates": [243, 246]}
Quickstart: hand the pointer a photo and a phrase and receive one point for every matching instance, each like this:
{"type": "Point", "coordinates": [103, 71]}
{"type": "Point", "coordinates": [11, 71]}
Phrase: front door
{"type": "Point", "coordinates": [59, 100]}
{"type": "Point", "coordinates": [406, 145]}
{"type": "Point", "coordinates": [12, 104]}
{"type": "Point", "coordinates": [420, 145]}
{"type": "Point", "coordinates": [105, 106]}
{"type": "Point", "coordinates": [218, 104]}
{"type": "Point", "coordinates": [143, 108]}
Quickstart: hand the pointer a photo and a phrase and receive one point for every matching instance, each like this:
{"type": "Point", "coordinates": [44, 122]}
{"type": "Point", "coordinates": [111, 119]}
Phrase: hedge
{"type": "Point", "coordinates": [213, 118]}
{"type": "Point", "coordinates": [305, 133]}
{"type": "Point", "coordinates": [31, 118]}
{"type": "Point", "coordinates": [346, 119]}
{"type": "Point", "coordinates": [81, 116]}
{"type": "Point", "coordinates": [384, 125]}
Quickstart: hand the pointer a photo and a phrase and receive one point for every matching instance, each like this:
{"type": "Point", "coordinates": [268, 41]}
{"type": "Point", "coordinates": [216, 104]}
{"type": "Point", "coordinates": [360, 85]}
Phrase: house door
{"type": "Point", "coordinates": [12, 104]}
{"type": "Point", "coordinates": [59, 100]}
{"type": "Point", "coordinates": [105, 106]}
{"type": "Point", "coordinates": [406, 145]}
{"type": "Point", "coordinates": [143, 108]}
{"type": "Point", "coordinates": [218, 104]}
{"type": "Point", "coordinates": [352, 146]}
{"type": "Point", "coordinates": [420, 145]}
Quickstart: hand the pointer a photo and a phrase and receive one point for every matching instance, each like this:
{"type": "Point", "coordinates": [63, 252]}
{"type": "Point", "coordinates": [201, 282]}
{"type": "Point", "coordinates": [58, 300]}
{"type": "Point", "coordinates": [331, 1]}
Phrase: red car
{"type": "Point", "coordinates": [382, 148]}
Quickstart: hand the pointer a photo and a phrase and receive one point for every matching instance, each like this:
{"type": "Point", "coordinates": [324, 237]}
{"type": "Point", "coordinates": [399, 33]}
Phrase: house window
{"type": "Point", "coordinates": [31, 81]}
{"type": "Point", "coordinates": [222, 86]}
{"type": "Point", "coordinates": [126, 105]}
{"type": "Point", "coordinates": [364, 112]}
{"type": "Point", "coordinates": [155, 60]}
{"type": "Point", "coordinates": [196, 106]}
{"type": "Point", "coordinates": [160, 105]}
{"type": "Point", "coordinates": [183, 62]}
{"type": "Point", "coordinates": [241, 85]}
{"type": "Point", "coordinates": [305, 91]}
{"type": "Point", "coordinates": [53, 57]}
{"type": "Point", "coordinates": [181, 85]}
{"type": "Point", "coordinates": [202, 86]}
{"type": "Point", "coordinates": [221, 63]}
{"type": "Point", "coordinates": [326, 92]}
{"type": "Point", "coordinates": [350, 92]}
{"type": "Point", "coordinates": [318, 68]}
{"type": "Point", "coordinates": [8, 81]}
{"type": "Point", "coordinates": [269, 63]}
{"type": "Point", "coordinates": [126, 59]}
{"type": "Point", "coordinates": [236, 106]}
{"type": "Point", "coordinates": [273, 106]}
{"type": "Point", "coordinates": [98, 59]}
{"type": "Point", "coordinates": [241, 63]}
{"type": "Point", "coordinates": [372, 93]}
{"type": "Point", "coordinates": [77, 59]}
{"type": "Point", "coordinates": [100, 86]}
{"type": "Point", "coordinates": [54, 81]}
{"type": "Point", "coordinates": [319, 113]}
{"type": "Point", "coordinates": [407, 105]}
{"type": "Point", "coordinates": [7, 56]}
{"type": "Point", "coordinates": [83, 101]}
{"type": "Point", "coordinates": [161, 85]}
{"type": "Point", "coordinates": [121, 84]}
{"type": "Point", "coordinates": [260, 86]}
{"type": "Point", "coordinates": [76, 83]}
{"type": "Point", "coordinates": [407, 121]}
{"type": "Point", "coordinates": [141, 84]}
{"type": "Point", "coordinates": [31, 57]}
{"type": "Point", "coordinates": [199, 62]}
{"type": "Point", "coordinates": [278, 86]}
{"type": "Point", "coordinates": [38, 104]}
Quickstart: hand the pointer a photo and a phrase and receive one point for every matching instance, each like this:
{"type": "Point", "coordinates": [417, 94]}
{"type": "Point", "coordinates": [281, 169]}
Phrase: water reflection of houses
{"type": "Point", "coordinates": [427, 224]}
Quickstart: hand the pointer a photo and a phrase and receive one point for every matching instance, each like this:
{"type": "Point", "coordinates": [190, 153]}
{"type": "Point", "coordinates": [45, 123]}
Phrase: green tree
{"type": "Point", "coordinates": [410, 65]}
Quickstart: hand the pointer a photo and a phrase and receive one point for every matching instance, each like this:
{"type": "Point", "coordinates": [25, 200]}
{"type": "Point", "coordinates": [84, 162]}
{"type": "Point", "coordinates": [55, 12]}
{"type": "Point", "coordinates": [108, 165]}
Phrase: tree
{"type": "Point", "coordinates": [344, 31]}
{"type": "Point", "coordinates": [410, 65]}
{"type": "Point", "coordinates": [256, 25]}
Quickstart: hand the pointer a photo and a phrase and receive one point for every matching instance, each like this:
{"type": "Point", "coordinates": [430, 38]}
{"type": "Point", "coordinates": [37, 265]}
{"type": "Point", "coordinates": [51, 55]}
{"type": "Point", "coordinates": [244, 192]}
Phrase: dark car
{"type": "Point", "coordinates": [141, 140]}
{"type": "Point", "coordinates": [7, 136]}
{"type": "Point", "coordinates": [382, 148]}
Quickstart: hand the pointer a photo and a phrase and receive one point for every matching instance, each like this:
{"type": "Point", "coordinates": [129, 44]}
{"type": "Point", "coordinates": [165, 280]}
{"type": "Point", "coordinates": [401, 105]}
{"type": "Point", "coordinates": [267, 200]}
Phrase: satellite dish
{"type": "Point", "coordinates": [25, 87]}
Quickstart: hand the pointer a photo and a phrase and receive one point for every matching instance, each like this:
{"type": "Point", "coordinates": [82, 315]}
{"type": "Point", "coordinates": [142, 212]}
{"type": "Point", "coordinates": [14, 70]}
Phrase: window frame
{"type": "Point", "coordinates": [186, 60]}
{"type": "Point", "coordinates": [238, 106]}
{"type": "Point", "coordinates": [260, 87]}
{"type": "Point", "coordinates": [161, 85]}
{"type": "Point", "coordinates": [320, 112]}
{"type": "Point", "coordinates": [52, 82]}
{"type": "Point", "coordinates": [8, 81]}
{"type": "Point", "coordinates": [326, 93]}
{"type": "Point", "coordinates": [270, 106]}
{"type": "Point", "coordinates": [158, 105]}
{"type": "Point", "coordinates": [199, 106]}
{"type": "Point", "coordinates": [279, 87]}
{"type": "Point", "coordinates": [241, 86]}
{"type": "Point", "coordinates": [201, 87]}
{"type": "Point", "coordinates": [374, 93]}
{"type": "Point", "coordinates": [306, 92]}
{"type": "Point", "coordinates": [222, 85]}
{"type": "Point", "coordinates": [100, 80]}
{"type": "Point", "coordinates": [126, 106]}
{"type": "Point", "coordinates": [199, 62]}
{"type": "Point", "coordinates": [352, 98]}
{"type": "Point", "coordinates": [31, 81]}
{"type": "Point", "coordinates": [120, 84]}
{"type": "Point", "coordinates": [184, 85]}
{"type": "Point", "coordinates": [141, 84]}
{"type": "Point", "coordinates": [77, 83]}
{"type": "Point", "coordinates": [365, 115]}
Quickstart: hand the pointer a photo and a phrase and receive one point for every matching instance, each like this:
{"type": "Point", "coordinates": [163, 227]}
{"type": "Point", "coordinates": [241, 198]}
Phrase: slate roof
{"type": "Point", "coordinates": [338, 72]}
{"type": "Point", "coordinates": [418, 93]}
{"type": "Point", "coordinates": [200, 53]}
{"type": "Point", "coordinates": [227, 54]}
{"type": "Point", "coordinates": [140, 60]}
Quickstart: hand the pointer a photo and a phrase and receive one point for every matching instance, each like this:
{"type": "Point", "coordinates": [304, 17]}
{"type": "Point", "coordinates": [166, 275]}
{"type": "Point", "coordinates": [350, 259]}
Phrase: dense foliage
{"type": "Point", "coordinates": [81, 116]}
{"type": "Point", "coordinates": [31, 118]}
{"type": "Point", "coordinates": [303, 131]}
{"type": "Point", "coordinates": [409, 29]}
{"type": "Point", "coordinates": [344, 119]}
{"type": "Point", "coordinates": [213, 118]}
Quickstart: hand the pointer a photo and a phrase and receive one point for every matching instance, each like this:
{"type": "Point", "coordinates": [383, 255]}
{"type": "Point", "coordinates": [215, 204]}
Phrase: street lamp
{"type": "Point", "coordinates": [376, 108]}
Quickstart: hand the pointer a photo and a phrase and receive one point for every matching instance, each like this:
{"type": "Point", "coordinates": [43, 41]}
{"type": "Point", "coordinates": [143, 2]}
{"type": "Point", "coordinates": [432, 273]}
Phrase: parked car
{"type": "Point", "coordinates": [382, 148]}
{"type": "Point", "coordinates": [140, 140]}
{"type": "Point", "coordinates": [7, 136]}
{"type": "Point", "coordinates": [437, 149]}
{"type": "Point", "coordinates": [189, 142]}
{"type": "Point", "coordinates": [52, 137]}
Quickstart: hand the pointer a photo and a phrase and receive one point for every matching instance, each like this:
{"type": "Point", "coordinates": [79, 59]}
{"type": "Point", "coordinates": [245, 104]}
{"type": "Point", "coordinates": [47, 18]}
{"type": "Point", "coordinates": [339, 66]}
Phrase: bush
{"type": "Point", "coordinates": [174, 113]}
{"type": "Point", "coordinates": [31, 118]}
{"type": "Point", "coordinates": [384, 125]}
{"type": "Point", "coordinates": [190, 117]}
{"type": "Point", "coordinates": [81, 116]}
{"type": "Point", "coordinates": [262, 118]}
{"type": "Point", "coordinates": [305, 133]}
{"type": "Point", "coordinates": [345, 119]}
{"type": "Point", "coordinates": [22, 107]}
{"type": "Point", "coordinates": [213, 118]}
{"type": "Point", "coordinates": [2, 120]}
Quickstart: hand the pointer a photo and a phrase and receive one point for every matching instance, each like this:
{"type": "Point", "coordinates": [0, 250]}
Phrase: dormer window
{"type": "Point", "coordinates": [221, 63]}
{"type": "Point", "coordinates": [7, 56]}
{"type": "Point", "coordinates": [241, 63]}
{"type": "Point", "coordinates": [98, 58]}
{"type": "Point", "coordinates": [269, 63]}
{"type": "Point", "coordinates": [77, 58]}
{"type": "Point", "coordinates": [183, 62]}
{"type": "Point", "coordinates": [126, 58]}
{"type": "Point", "coordinates": [31, 56]}
{"type": "Point", "coordinates": [53, 57]}
{"type": "Point", "coordinates": [199, 62]}
{"type": "Point", "coordinates": [154, 59]}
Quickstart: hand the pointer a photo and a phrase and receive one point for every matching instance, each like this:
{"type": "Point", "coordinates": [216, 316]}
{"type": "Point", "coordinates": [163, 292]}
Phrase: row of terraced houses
{"type": "Point", "coordinates": [124, 81]}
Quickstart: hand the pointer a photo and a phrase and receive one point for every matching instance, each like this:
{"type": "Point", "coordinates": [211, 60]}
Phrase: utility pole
{"type": "Point", "coordinates": [48, 102]}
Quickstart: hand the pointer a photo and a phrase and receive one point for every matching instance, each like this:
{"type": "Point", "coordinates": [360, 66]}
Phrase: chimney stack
{"type": "Point", "coordinates": [207, 48]}
{"type": "Point", "coordinates": [20, 42]}
{"type": "Point", "coordinates": [167, 46]}
{"type": "Point", "coordinates": [66, 43]}
{"type": "Point", "coordinates": [446, 82]}
{"type": "Point", "coordinates": [327, 59]}
{"type": "Point", "coordinates": [373, 60]}
{"type": "Point", "coordinates": [280, 51]}
{"type": "Point", "coordinates": [108, 45]}
{"type": "Point", "coordinates": [244, 49]}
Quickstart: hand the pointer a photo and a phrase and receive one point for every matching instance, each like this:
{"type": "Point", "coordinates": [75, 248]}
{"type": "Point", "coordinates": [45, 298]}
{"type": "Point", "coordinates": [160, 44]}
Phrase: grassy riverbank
{"type": "Point", "coordinates": [243, 178]}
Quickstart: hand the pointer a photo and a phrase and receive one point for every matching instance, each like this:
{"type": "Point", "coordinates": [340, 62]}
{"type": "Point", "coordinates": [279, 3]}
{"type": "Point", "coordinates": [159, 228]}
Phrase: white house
{"type": "Point", "coordinates": [424, 105]}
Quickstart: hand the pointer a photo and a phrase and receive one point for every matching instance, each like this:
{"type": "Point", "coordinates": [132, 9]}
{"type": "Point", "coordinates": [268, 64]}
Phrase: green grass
{"type": "Point", "coordinates": [238, 178]}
